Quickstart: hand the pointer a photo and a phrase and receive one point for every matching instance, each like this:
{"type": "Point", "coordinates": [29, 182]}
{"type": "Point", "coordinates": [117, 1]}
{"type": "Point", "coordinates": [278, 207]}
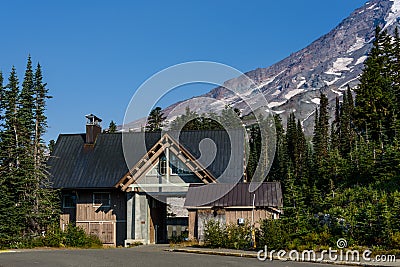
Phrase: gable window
{"type": "Point", "coordinates": [102, 199]}
{"type": "Point", "coordinates": [69, 201]}
{"type": "Point", "coordinates": [163, 165]}
{"type": "Point", "coordinates": [178, 167]}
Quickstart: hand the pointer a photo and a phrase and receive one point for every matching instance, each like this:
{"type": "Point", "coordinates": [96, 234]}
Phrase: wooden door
{"type": "Point", "coordinates": [158, 221]}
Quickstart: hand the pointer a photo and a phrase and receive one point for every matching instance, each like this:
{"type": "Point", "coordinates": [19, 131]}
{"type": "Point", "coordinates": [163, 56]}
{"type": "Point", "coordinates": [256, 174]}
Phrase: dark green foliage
{"type": "Point", "coordinates": [217, 235]}
{"type": "Point", "coordinates": [346, 185]}
{"type": "Point", "coordinates": [375, 108]}
{"type": "Point", "coordinates": [73, 236]}
{"type": "Point", "coordinates": [273, 234]}
{"type": "Point", "coordinates": [214, 234]}
{"type": "Point", "coordinates": [52, 143]}
{"type": "Point", "coordinates": [155, 120]}
{"type": "Point", "coordinates": [28, 205]}
{"type": "Point", "coordinates": [112, 128]}
{"type": "Point", "coordinates": [229, 119]}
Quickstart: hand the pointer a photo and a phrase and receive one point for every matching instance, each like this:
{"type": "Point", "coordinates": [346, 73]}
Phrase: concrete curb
{"type": "Point", "coordinates": [7, 251]}
{"type": "Point", "coordinates": [252, 255]}
{"type": "Point", "coordinates": [213, 252]}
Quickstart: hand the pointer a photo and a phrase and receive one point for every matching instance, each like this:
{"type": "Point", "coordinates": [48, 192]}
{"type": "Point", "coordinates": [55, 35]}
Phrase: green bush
{"type": "Point", "coordinates": [77, 237]}
{"type": "Point", "coordinates": [73, 236]}
{"type": "Point", "coordinates": [238, 236]}
{"type": "Point", "coordinates": [217, 235]}
{"type": "Point", "coordinates": [214, 234]}
{"type": "Point", "coordinates": [273, 234]}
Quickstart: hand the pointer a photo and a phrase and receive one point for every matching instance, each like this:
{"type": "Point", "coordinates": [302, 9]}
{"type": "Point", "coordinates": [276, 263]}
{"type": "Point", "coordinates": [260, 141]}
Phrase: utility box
{"type": "Point", "coordinates": [240, 221]}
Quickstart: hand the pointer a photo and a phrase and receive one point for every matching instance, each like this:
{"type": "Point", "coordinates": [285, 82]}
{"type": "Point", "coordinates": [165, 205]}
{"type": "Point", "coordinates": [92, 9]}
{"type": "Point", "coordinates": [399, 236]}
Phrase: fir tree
{"type": "Point", "coordinates": [374, 96]}
{"type": "Point", "coordinates": [112, 128]}
{"type": "Point", "coordinates": [155, 120]}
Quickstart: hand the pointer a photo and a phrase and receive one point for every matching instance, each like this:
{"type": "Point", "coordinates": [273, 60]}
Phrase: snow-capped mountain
{"type": "Point", "coordinates": [328, 64]}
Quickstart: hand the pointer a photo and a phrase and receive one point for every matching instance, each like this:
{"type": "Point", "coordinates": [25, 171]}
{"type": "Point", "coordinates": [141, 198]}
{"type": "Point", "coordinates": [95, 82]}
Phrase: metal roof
{"type": "Point", "coordinates": [76, 165]}
{"type": "Point", "coordinates": [230, 195]}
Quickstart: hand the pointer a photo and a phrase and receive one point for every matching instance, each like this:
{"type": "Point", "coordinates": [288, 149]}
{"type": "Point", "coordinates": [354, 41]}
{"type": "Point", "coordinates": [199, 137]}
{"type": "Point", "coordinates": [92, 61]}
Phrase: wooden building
{"type": "Point", "coordinates": [231, 204]}
{"type": "Point", "coordinates": [123, 205]}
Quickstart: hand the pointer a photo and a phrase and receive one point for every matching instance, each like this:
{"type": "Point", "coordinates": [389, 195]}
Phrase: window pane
{"type": "Point", "coordinates": [69, 201]}
{"type": "Point", "coordinates": [101, 199]}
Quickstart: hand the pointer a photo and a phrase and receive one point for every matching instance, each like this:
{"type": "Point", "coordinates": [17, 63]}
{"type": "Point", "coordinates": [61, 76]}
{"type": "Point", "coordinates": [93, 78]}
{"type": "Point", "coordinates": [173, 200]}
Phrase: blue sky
{"type": "Point", "coordinates": [95, 54]}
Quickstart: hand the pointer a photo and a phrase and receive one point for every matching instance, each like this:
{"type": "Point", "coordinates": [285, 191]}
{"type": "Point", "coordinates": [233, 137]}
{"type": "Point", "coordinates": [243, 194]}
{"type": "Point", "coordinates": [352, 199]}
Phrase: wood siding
{"type": "Point", "coordinates": [198, 218]}
{"type": "Point", "coordinates": [100, 220]}
{"type": "Point", "coordinates": [232, 215]}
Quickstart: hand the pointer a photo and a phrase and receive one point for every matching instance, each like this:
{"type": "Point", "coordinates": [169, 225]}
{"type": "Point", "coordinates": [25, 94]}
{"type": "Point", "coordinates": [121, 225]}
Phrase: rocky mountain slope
{"type": "Point", "coordinates": [329, 64]}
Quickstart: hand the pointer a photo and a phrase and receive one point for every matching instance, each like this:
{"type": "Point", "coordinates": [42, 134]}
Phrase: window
{"type": "Point", "coordinates": [101, 199]}
{"type": "Point", "coordinates": [163, 165]}
{"type": "Point", "coordinates": [69, 201]}
{"type": "Point", "coordinates": [178, 167]}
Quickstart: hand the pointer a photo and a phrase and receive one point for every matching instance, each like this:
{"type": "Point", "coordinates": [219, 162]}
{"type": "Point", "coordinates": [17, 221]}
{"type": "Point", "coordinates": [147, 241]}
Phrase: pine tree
{"type": "Point", "coordinates": [26, 147]}
{"type": "Point", "coordinates": [321, 129]}
{"type": "Point", "coordinates": [279, 165]}
{"type": "Point", "coordinates": [374, 96]}
{"type": "Point", "coordinates": [46, 204]}
{"type": "Point", "coordinates": [12, 179]}
{"type": "Point", "coordinates": [155, 120]}
{"type": "Point", "coordinates": [112, 128]}
{"type": "Point", "coordinates": [25, 111]}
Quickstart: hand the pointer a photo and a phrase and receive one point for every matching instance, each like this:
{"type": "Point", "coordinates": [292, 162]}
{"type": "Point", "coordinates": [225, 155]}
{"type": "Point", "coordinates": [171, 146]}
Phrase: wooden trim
{"type": "Point", "coordinates": [151, 157]}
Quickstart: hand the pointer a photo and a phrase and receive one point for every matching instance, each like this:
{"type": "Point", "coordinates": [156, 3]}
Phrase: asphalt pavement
{"type": "Point", "coordinates": [142, 256]}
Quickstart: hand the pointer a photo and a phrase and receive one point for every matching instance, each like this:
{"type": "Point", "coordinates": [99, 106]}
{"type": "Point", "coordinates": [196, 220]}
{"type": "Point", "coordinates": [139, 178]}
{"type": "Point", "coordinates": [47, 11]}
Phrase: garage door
{"type": "Point", "coordinates": [104, 230]}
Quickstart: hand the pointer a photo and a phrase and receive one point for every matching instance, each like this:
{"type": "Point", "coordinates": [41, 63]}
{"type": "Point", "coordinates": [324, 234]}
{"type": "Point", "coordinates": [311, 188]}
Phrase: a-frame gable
{"type": "Point", "coordinates": [151, 158]}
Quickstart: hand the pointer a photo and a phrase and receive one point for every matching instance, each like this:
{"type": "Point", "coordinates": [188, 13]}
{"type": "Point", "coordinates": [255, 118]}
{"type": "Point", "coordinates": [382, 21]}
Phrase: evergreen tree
{"type": "Point", "coordinates": [321, 129]}
{"type": "Point", "coordinates": [25, 111]}
{"type": "Point", "coordinates": [46, 204]}
{"type": "Point", "coordinates": [279, 165]}
{"type": "Point", "coordinates": [374, 96]}
{"type": "Point", "coordinates": [28, 203]}
{"type": "Point", "coordinates": [155, 120]}
{"type": "Point", "coordinates": [13, 182]}
{"type": "Point", "coordinates": [112, 128]}
{"type": "Point", "coordinates": [52, 144]}
{"type": "Point", "coordinates": [336, 126]}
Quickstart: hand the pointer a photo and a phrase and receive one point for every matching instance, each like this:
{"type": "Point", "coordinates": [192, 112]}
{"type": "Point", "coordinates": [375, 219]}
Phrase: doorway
{"type": "Point", "coordinates": [158, 221]}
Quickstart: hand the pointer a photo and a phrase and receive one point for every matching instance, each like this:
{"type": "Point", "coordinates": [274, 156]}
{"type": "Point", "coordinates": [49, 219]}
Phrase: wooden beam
{"type": "Point", "coordinates": [144, 167]}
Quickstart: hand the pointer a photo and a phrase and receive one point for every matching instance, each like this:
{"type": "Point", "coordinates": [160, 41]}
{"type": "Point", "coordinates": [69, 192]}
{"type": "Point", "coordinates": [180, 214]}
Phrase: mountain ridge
{"type": "Point", "coordinates": [328, 65]}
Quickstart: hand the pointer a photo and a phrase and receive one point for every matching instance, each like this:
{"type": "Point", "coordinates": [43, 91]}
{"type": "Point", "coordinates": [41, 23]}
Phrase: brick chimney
{"type": "Point", "coordinates": [93, 128]}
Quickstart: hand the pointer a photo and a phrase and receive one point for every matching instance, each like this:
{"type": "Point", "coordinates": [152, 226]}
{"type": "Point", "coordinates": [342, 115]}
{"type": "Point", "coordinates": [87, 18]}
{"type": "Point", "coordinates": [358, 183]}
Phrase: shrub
{"type": "Point", "coordinates": [217, 235]}
{"type": "Point", "coordinates": [274, 234]}
{"type": "Point", "coordinates": [73, 236]}
{"type": "Point", "coordinates": [77, 237]}
{"type": "Point", "coordinates": [238, 236]}
{"type": "Point", "coordinates": [214, 234]}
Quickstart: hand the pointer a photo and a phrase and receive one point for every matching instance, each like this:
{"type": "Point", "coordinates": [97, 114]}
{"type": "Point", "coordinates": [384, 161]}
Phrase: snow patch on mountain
{"type": "Point", "coordinates": [316, 100]}
{"type": "Point", "coordinates": [337, 92]}
{"type": "Point", "coordinates": [333, 81]}
{"type": "Point", "coordinates": [301, 82]}
{"type": "Point", "coordinates": [361, 60]}
{"type": "Point", "coordinates": [275, 104]}
{"type": "Point", "coordinates": [372, 6]}
{"type": "Point", "coordinates": [293, 93]}
{"type": "Point", "coordinates": [393, 14]}
{"type": "Point", "coordinates": [270, 80]}
{"type": "Point", "coordinates": [340, 65]}
{"type": "Point", "coordinates": [277, 92]}
{"type": "Point", "coordinates": [360, 42]}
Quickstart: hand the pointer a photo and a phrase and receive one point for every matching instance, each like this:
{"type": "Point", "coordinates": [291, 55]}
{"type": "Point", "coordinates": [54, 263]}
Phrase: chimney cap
{"type": "Point", "coordinates": [93, 118]}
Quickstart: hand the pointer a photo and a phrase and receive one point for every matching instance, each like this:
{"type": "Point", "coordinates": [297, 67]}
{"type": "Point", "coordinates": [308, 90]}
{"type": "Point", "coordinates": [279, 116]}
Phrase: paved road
{"type": "Point", "coordinates": [142, 256]}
